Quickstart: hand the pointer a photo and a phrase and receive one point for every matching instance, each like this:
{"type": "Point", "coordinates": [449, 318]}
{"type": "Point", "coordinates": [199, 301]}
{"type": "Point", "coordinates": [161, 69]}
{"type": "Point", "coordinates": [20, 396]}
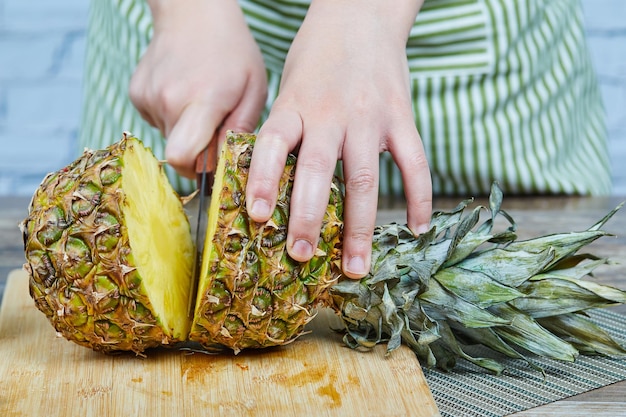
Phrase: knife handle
{"type": "Point", "coordinates": [206, 162]}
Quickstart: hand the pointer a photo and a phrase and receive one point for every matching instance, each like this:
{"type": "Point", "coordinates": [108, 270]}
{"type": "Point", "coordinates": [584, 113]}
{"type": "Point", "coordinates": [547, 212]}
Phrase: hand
{"type": "Point", "coordinates": [201, 75]}
{"type": "Point", "coordinates": [344, 95]}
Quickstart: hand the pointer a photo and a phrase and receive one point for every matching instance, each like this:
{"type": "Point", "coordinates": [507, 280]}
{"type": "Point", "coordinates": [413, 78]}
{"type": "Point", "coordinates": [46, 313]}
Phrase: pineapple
{"type": "Point", "coordinates": [109, 251]}
{"type": "Point", "coordinates": [461, 283]}
{"type": "Point", "coordinates": [251, 293]}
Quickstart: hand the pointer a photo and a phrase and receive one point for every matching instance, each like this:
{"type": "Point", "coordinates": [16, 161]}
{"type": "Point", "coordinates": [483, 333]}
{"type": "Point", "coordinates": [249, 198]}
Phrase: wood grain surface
{"type": "Point", "coordinates": [44, 375]}
{"type": "Point", "coordinates": [534, 215]}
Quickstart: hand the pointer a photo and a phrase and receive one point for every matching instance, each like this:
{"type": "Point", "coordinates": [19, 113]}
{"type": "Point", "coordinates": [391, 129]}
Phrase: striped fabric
{"type": "Point", "coordinates": [503, 90]}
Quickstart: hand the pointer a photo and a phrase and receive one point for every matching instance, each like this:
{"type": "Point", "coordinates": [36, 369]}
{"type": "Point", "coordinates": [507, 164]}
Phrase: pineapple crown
{"type": "Point", "coordinates": [463, 283]}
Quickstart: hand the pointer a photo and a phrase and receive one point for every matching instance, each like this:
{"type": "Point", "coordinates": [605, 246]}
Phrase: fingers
{"type": "Point", "coordinates": [137, 92]}
{"type": "Point", "coordinates": [318, 154]}
{"type": "Point", "coordinates": [360, 167]}
{"type": "Point", "coordinates": [408, 153]}
{"type": "Point", "coordinates": [192, 89]}
{"type": "Point", "coordinates": [199, 121]}
{"type": "Point", "coordinates": [281, 134]}
{"type": "Point", "coordinates": [311, 189]}
{"type": "Point", "coordinates": [278, 136]}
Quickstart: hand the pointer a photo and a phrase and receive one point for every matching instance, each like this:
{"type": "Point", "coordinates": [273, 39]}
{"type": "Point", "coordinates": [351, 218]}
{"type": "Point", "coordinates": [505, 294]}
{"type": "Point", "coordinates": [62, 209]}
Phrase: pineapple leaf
{"type": "Point", "coordinates": [495, 200]}
{"type": "Point", "coordinates": [587, 337]}
{"type": "Point", "coordinates": [439, 304]}
{"type": "Point", "coordinates": [611, 294]}
{"type": "Point", "coordinates": [475, 287]}
{"type": "Point", "coordinates": [557, 295]}
{"type": "Point", "coordinates": [447, 349]}
{"type": "Point", "coordinates": [465, 247]}
{"type": "Point", "coordinates": [509, 266]}
{"type": "Point", "coordinates": [576, 266]}
{"type": "Point", "coordinates": [465, 241]}
{"type": "Point", "coordinates": [466, 224]}
{"type": "Point", "coordinates": [354, 312]}
{"type": "Point", "coordinates": [489, 338]}
{"type": "Point", "coordinates": [442, 221]}
{"type": "Point", "coordinates": [437, 253]}
{"type": "Point", "coordinates": [528, 334]}
{"type": "Point", "coordinates": [563, 244]}
{"type": "Point", "coordinates": [606, 218]}
{"type": "Point", "coordinates": [393, 320]}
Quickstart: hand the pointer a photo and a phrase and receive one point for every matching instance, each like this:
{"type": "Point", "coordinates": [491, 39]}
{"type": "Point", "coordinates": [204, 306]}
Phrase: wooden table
{"type": "Point", "coordinates": [534, 215]}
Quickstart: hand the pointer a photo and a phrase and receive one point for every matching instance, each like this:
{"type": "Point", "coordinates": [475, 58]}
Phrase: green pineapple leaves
{"type": "Point", "coordinates": [463, 283]}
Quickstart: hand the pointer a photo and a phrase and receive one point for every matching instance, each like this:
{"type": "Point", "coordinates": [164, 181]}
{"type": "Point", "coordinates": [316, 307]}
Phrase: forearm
{"type": "Point", "coordinates": [166, 12]}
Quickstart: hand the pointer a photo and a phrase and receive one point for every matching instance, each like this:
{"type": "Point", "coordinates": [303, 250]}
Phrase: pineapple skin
{"type": "Point", "coordinates": [83, 276]}
{"type": "Point", "coordinates": [252, 294]}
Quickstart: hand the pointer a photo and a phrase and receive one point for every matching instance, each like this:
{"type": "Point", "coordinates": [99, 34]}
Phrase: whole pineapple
{"type": "Point", "coordinates": [109, 251]}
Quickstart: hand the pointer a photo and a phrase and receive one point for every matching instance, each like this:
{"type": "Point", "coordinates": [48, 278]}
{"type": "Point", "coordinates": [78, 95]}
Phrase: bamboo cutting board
{"type": "Point", "coordinates": [44, 375]}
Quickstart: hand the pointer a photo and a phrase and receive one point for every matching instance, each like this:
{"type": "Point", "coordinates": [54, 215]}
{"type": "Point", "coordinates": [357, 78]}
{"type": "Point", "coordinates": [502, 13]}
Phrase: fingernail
{"type": "Point", "coordinates": [356, 266]}
{"type": "Point", "coordinates": [260, 209]}
{"type": "Point", "coordinates": [302, 249]}
{"type": "Point", "coordinates": [422, 228]}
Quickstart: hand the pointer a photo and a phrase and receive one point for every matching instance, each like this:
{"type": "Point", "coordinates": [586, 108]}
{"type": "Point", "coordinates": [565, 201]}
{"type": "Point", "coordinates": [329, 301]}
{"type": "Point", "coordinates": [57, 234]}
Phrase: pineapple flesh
{"type": "Point", "coordinates": [109, 251]}
{"type": "Point", "coordinates": [463, 282]}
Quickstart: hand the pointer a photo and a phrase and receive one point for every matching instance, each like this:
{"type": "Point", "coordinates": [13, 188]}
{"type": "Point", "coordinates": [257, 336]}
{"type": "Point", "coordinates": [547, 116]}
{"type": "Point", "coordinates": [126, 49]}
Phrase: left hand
{"type": "Point", "coordinates": [345, 94]}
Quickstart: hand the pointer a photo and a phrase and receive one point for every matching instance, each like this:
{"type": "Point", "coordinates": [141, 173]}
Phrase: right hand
{"type": "Point", "coordinates": [201, 75]}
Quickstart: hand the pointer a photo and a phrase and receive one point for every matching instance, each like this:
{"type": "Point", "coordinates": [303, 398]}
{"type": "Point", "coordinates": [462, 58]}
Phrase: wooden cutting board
{"type": "Point", "coordinates": [44, 375]}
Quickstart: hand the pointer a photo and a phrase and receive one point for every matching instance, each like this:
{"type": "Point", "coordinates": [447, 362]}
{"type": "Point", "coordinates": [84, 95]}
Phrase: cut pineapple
{"type": "Point", "coordinates": [251, 293]}
{"type": "Point", "coordinates": [109, 251]}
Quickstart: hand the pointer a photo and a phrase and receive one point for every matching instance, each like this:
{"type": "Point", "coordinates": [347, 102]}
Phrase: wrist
{"type": "Point", "coordinates": [393, 19]}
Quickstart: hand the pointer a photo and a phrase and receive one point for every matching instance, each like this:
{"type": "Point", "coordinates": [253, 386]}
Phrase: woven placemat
{"type": "Point", "coordinates": [469, 391]}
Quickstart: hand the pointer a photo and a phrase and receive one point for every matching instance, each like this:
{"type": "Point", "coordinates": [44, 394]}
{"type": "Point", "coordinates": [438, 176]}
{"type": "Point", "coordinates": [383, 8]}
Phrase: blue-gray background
{"type": "Point", "coordinates": [42, 45]}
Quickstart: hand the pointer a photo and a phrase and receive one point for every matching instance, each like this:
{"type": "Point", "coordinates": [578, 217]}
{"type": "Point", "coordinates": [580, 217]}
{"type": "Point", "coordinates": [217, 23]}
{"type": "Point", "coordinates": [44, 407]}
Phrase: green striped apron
{"type": "Point", "coordinates": [502, 90]}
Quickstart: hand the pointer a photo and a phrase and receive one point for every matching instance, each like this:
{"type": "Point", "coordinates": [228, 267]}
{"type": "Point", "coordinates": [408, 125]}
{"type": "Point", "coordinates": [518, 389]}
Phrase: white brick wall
{"type": "Point", "coordinates": [606, 34]}
{"type": "Point", "coordinates": [41, 56]}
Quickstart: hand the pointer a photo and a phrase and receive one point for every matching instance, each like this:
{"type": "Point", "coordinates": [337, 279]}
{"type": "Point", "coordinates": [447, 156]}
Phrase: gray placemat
{"type": "Point", "coordinates": [469, 391]}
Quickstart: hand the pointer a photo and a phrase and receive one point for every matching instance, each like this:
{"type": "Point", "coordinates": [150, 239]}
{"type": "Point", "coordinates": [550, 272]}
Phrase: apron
{"type": "Point", "coordinates": [503, 90]}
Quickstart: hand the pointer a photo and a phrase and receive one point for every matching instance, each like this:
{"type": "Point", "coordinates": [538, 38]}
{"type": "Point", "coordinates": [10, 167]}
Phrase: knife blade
{"type": "Point", "coordinates": [205, 167]}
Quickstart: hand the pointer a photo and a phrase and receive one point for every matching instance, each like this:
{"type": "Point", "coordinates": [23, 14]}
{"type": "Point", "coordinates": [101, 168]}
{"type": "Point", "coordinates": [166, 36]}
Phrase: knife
{"type": "Point", "coordinates": [205, 167]}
